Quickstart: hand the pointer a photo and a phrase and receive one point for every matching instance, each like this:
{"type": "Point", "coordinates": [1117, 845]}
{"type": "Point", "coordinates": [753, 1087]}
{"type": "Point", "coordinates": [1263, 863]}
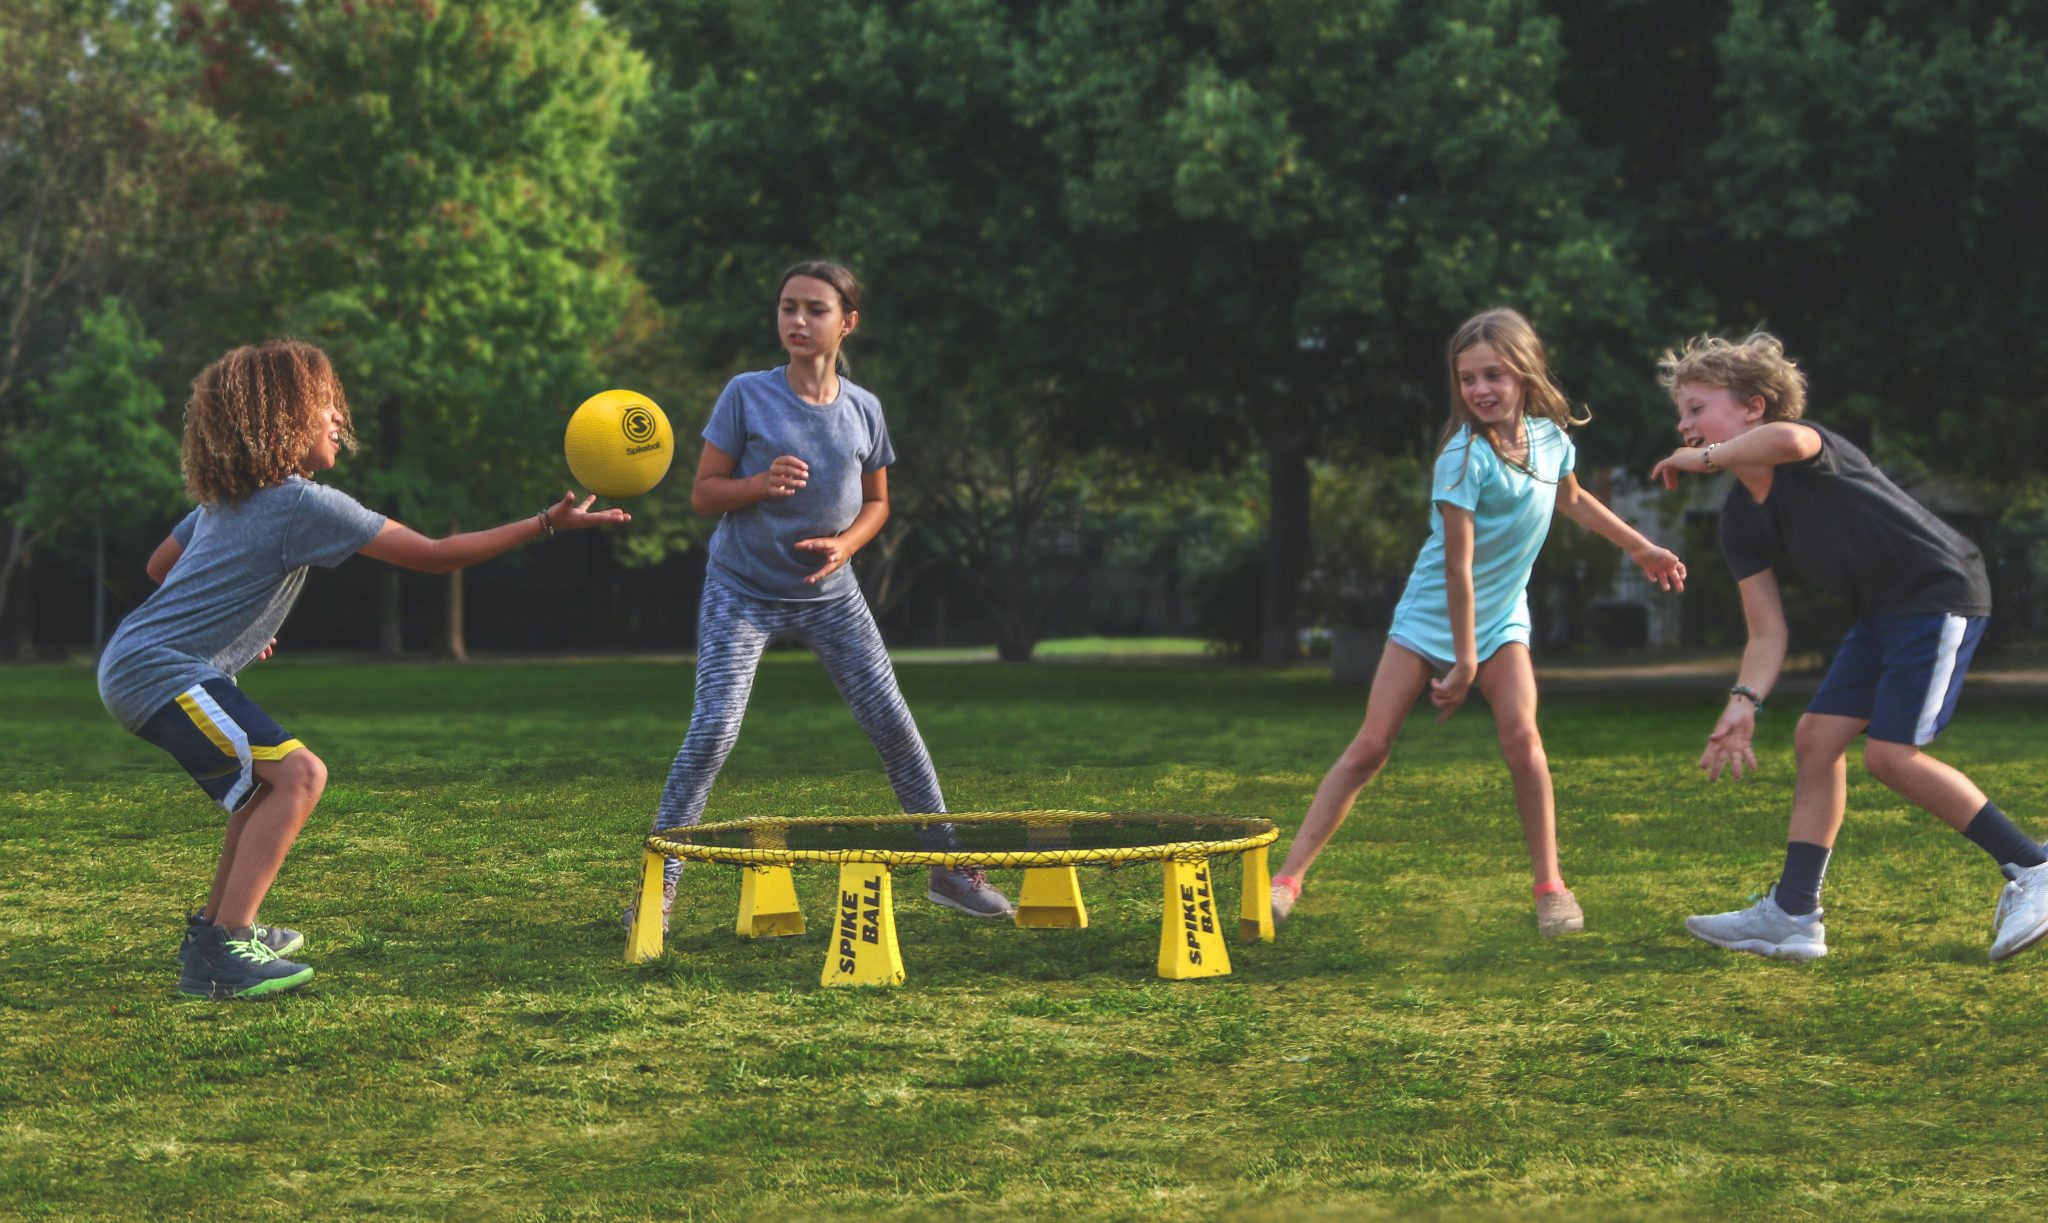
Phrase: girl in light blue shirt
{"type": "Point", "coordinates": [1503, 464]}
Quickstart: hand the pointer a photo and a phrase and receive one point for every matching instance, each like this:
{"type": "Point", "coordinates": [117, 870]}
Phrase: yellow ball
{"type": "Point", "coordinates": [619, 444]}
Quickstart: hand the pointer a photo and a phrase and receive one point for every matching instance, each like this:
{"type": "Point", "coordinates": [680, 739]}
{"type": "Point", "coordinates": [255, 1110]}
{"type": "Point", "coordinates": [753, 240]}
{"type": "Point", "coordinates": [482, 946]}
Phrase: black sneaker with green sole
{"type": "Point", "coordinates": [282, 939]}
{"type": "Point", "coordinates": [221, 963]}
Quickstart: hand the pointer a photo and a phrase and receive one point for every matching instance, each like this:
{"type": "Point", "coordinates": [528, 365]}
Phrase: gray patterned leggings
{"type": "Point", "coordinates": [732, 632]}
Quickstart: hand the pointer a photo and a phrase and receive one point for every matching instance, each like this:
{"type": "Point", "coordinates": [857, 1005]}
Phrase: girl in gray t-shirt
{"type": "Point", "coordinates": [796, 464]}
{"type": "Point", "coordinates": [261, 422]}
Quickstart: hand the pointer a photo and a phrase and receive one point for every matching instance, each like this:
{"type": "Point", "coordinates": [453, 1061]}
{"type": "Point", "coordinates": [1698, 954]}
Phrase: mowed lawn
{"type": "Point", "coordinates": [474, 1045]}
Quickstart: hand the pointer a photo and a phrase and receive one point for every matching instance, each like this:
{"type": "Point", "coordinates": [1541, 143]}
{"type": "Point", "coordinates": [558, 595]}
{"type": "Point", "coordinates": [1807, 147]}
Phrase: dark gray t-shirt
{"type": "Point", "coordinates": [757, 420]}
{"type": "Point", "coordinates": [1845, 525]}
{"type": "Point", "coordinates": [243, 565]}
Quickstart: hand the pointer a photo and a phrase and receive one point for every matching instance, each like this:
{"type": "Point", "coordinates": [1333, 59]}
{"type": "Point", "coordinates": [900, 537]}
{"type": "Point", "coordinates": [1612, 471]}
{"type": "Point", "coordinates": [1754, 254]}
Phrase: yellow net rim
{"type": "Point", "coordinates": [1258, 834]}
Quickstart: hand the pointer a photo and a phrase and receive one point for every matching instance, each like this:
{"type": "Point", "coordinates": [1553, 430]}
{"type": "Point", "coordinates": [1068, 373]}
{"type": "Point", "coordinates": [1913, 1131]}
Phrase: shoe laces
{"type": "Point", "coordinates": [251, 948]}
{"type": "Point", "coordinates": [976, 878]}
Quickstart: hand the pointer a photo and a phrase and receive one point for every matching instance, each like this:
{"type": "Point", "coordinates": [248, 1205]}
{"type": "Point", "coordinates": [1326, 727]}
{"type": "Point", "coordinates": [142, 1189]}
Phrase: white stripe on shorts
{"type": "Point", "coordinates": [1952, 627]}
{"type": "Point", "coordinates": [236, 735]}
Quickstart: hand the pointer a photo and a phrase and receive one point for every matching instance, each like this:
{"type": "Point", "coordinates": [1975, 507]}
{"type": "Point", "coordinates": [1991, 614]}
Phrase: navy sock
{"type": "Point", "coordinates": [1997, 836]}
{"type": "Point", "coordinates": [1798, 890]}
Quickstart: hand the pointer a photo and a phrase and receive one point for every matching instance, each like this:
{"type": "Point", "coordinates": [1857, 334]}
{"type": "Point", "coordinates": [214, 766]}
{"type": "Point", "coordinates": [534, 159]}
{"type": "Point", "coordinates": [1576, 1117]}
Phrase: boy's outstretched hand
{"type": "Point", "coordinates": [1661, 566]}
{"type": "Point", "coordinates": [1729, 744]}
{"type": "Point", "coordinates": [567, 515]}
{"type": "Point", "coordinates": [1686, 460]}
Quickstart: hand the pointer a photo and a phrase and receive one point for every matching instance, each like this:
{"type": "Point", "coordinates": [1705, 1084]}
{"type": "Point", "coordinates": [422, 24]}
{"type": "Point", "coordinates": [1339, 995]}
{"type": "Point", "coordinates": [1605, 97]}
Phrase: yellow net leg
{"type": "Point", "coordinates": [1190, 942]}
{"type": "Point", "coordinates": [1255, 907]}
{"type": "Point", "coordinates": [863, 950]}
{"type": "Point", "coordinates": [643, 941]}
{"type": "Point", "coordinates": [1051, 900]}
{"type": "Point", "coordinates": [768, 907]}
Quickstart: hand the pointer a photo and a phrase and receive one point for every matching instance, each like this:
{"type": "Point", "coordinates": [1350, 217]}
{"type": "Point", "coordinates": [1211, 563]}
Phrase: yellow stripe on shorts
{"type": "Point", "coordinates": [206, 726]}
{"type": "Point", "coordinates": [274, 753]}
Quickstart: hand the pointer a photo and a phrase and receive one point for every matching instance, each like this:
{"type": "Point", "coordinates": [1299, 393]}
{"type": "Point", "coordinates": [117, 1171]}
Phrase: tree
{"type": "Point", "coordinates": [1288, 206]}
{"type": "Point", "coordinates": [900, 150]}
{"type": "Point", "coordinates": [115, 180]}
{"type": "Point", "coordinates": [100, 450]}
{"type": "Point", "coordinates": [1878, 180]}
{"type": "Point", "coordinates": [447, 180]}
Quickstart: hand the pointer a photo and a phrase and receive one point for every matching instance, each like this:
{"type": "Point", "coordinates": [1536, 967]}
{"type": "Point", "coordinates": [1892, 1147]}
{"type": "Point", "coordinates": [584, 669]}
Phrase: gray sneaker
{"type": "Point", "coordinates": [222, 963]}
{"type": "Point", "coordinates": [1764, 929]}
{"type": "Point", "coordinates": [283, 940]}
{"type": "Point", "coordinates": [668, 904]}
{"type": "Point", "coordinates": [969, 891]}
{"type": "Point", "coordinates": [2022, 918]}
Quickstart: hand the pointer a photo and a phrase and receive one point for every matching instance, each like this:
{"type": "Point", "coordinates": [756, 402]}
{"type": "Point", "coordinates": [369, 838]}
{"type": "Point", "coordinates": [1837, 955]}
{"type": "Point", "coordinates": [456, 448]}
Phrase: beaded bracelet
{"type": "Point", "coordinates": [1749, 694]}
{"type": "Point", "coordinates": [547, 529]}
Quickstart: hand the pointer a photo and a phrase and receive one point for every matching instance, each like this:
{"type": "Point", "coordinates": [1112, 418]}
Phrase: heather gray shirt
{"type": "Point", "coordinates": [759, 419]}
{"type": "Point", "coordinates": [243, 565]}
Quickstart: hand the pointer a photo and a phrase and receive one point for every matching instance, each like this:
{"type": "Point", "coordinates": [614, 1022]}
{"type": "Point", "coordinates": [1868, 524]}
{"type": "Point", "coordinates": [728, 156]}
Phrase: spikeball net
{"type": "Point", "coordinates": [997, 839]}
{"type": "Point", "coordinates": [1047, 845]}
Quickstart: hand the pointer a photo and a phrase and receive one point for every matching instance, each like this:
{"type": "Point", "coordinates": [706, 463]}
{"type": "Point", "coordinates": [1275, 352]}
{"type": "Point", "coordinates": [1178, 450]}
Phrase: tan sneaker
{"type": "Point", "coordinates": [668, 903]}
{"type": "Point", "coordinates": [1285, 892]}
{"type": "Point", "coordinates": [1559, 913]}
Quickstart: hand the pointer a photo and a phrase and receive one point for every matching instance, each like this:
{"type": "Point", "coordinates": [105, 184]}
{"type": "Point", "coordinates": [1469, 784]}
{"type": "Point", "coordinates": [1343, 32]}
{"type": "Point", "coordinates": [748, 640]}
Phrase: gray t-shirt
{"type": "Point", "coordinates": [243, 565]}
{"type": "Point", "coordinates": [757, 420]}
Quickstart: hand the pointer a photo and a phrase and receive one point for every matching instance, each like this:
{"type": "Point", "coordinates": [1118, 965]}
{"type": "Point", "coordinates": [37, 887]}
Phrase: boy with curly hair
{"type": "Point", "coordinates": [261, 422]}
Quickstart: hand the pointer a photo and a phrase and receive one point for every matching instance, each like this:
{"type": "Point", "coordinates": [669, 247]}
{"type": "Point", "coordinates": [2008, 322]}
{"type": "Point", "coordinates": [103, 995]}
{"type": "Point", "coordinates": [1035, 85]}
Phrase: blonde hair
{"type": "Point", "coordinates": [253, 416]}
{"type": "Point", "coordinates": [1515, 342]}
{"type": "Point", "coordinates": [1755, 366]}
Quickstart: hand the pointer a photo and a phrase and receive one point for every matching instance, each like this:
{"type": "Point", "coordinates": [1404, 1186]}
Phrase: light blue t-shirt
{"type": "Point", "coordinates": [243, 565]}
{"type": "Point", "coordinates": [757, 420]}
{"type": "Point", "coordinates": [1511, 511]}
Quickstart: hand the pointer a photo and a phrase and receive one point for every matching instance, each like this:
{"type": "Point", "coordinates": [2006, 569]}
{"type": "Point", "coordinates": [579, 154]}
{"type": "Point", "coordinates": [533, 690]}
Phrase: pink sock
{"type": "Point", "coordinates": [1289, 882]}
{"type": "Point", "coordinates": [1545, 889]}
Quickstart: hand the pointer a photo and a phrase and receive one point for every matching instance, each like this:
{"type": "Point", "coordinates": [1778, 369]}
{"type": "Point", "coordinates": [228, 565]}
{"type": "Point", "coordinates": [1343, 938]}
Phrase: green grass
{"type": "Point", "coordinates": [474, 1046]}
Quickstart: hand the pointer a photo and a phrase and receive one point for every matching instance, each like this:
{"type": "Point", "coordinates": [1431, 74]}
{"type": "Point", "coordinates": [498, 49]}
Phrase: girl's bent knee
{"type": "Point", "coordinates": [1361, 762]}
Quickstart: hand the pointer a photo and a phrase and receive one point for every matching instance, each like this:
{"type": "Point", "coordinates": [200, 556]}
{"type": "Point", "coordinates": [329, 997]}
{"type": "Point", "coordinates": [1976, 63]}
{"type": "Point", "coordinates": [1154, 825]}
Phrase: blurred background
{"type": "Point", "coordinates": [1156, 293]}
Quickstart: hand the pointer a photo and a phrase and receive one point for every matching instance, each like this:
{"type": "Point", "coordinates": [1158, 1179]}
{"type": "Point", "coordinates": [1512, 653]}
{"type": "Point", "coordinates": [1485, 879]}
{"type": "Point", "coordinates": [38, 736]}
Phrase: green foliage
{"type": "Point", "coordinates": [474, 1046]}
{"type": "Point", "coordinates": [102, 452]}
{"type": "Point", "coordinates": [1873, 192]}
{"type": "Point", "coordinates": [445, 179]}
{"type": "Point", "coordinates": [115, 182]}
{"type": "Point", "coordinates": [1370, 521]}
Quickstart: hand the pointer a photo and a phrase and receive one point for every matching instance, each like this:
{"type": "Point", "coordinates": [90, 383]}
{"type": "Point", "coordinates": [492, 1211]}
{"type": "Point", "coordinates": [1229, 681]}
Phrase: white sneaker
{"type": "Point", "coordinates": [1767, 930]}
{"type": "Point", "coordinates": [2022, 917]}
{"type": "Point", "coordinates": [1283, 901]}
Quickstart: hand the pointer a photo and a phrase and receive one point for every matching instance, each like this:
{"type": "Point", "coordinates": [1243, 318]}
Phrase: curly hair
{"type": "Point", "coordinates": [1755, 366]}
{"type": "Point", "coordinates": [253, 416]}
{"type": "Point", "coordinates": [1519, 348]}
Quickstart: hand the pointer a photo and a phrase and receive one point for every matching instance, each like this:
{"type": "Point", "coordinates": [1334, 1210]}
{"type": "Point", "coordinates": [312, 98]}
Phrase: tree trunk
{"type": "Point", "coordinates": [25, 602]}
{"type": "Point", "coordinates": [1286, 550]}
{"type": "Point", "coordinates": [19, 545]}
{"type": "Point", "coordinates": [452, 646]}
{"type": "Point", "coordinates": [390, 631]}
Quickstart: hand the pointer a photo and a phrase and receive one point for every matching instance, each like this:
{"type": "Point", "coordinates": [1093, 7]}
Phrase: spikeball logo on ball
{"type": "Point", "coordinates": [619, 444]}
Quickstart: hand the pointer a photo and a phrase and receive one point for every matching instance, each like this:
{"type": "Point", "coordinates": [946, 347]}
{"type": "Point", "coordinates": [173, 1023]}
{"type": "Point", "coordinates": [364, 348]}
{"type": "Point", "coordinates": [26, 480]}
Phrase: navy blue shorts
{"type": "Point", "coordinates": [218, 734]}
{"type": "Point", "coordinates": [1902, 674]}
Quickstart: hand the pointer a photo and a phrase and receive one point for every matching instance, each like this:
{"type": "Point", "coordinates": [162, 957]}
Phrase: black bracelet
{"type": "Point", "coordinates": [547, 529]}
{"type": "Point", "coordinates": [1749, 694]}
